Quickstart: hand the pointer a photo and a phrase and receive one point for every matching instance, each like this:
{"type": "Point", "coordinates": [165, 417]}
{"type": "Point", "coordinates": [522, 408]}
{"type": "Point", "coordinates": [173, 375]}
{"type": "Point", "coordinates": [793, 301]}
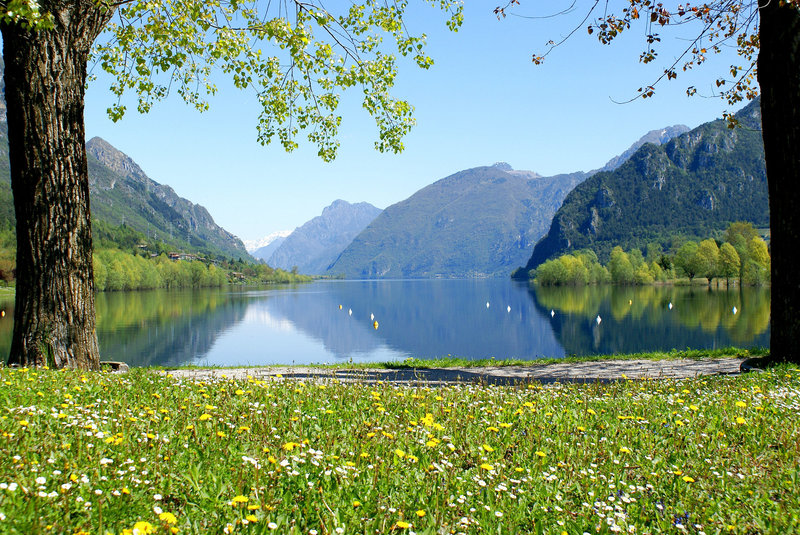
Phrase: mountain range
{"type": "Point", "coordinates": [690, 187]}
{"type": "Point", "coordinates": [312, 247]}
{"type": "Point", "coordinates": [479, 222]}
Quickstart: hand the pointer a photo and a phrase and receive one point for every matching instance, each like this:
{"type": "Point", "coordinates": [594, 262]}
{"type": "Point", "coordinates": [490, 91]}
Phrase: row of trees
{"type": "Point", "coordinates": [742, 256]}
{"type": "Point", "coordinates": [118, 270]}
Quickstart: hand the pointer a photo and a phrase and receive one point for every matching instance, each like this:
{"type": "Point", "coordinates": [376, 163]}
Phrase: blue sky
{"type": "Point", "coordinates": [483, 101]}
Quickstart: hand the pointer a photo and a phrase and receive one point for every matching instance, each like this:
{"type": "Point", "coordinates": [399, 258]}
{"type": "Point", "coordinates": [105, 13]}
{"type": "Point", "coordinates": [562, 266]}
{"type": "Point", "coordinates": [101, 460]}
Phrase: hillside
{"type": "Point", "coordinates": [316, 244]}
{"type": "Point", "coordinates": [692, 186]}
{"type": "Point", "coordinates": [480, 222]}
{"type": "Point", "coordinates": [120, 192]}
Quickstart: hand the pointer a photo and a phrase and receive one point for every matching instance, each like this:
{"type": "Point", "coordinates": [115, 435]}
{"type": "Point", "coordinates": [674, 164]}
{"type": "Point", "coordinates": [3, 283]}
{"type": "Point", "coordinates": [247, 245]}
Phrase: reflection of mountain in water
{"type": "Point", "coordinates": [421, 318]}
{"type": "Point", "coordinates": [164, 328]}
{"type": "Point", "coordinates": [638, 319]}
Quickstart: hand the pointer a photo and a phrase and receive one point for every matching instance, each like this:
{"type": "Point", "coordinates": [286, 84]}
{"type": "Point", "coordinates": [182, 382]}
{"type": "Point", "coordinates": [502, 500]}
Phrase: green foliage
{"type": "Point", "coordinates": [295, 60]}
{"type": "Point", "coordinates": [705, 259]}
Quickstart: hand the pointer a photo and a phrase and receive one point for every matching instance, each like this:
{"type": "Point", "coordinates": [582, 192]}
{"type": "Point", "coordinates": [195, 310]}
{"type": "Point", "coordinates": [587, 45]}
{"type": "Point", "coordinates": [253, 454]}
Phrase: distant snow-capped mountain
{"type": "Point", "coordinates": [252, 245]}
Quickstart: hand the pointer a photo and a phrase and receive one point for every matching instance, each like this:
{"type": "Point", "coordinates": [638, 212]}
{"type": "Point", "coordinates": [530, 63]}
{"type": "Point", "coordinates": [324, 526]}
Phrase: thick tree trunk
{"type": "Point", "coordinates": [779, 78]}
{"type": "Point", "coordinates": [45, 76]}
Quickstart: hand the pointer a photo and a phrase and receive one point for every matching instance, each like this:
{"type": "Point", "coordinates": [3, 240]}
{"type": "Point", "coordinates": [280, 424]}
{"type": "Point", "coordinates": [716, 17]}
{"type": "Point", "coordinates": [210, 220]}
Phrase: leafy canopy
{"type": "Point", "coordinates": [295, 56]}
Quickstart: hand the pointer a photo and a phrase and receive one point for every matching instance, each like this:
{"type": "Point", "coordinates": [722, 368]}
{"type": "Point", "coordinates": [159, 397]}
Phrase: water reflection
{"type": "Point", "coordinates": [650, 318]}
{"type": "Point", "coordinates": [424, 319]}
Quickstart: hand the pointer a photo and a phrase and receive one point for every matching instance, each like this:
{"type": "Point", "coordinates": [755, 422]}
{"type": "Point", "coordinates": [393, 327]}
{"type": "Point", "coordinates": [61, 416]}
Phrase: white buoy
{"type": "Point", "coordinates": [508, 308]}
{"type": "Point", "coordinates": [734, 311]}
{"type": "Point", "coordinates": [552, 313]}
{"type": "Point", "coordinates": [670, 305]}
{"type": "Point", "coordinates": [487, 304]}
{"type": "Point", "coordinates": [598, 319]}
{"type": "Point", "coordinates": [350, 311]}
{"type": "Point", "coordinates": [372, 317]}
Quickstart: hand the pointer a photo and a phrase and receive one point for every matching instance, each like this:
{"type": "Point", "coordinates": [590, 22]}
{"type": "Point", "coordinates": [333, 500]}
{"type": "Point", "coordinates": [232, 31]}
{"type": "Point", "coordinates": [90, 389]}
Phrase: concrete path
{"type": "Point", "coordinates": [603, 371]}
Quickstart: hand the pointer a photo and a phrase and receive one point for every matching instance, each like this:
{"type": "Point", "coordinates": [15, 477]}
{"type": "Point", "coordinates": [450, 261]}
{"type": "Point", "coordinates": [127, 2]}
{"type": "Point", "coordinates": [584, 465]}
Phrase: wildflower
{"type": "Point", "coordinates": [688, 479]}
{"type": "Point", "coordinates": [623, 449]}
{"type": "Point", "coordinates": [487, 466]}
{"type": "Point", "coordinates": [420, 513]}
{"type": "Point", "coordinates": [740, 420]}
{"type": "Point", "coordinates": [167, 517]}
{"type": "Point", "coordinates": [741, 404]}
{"type": "Point", "coordinates": [253, 518]}
{"type": "Point", "coordinates": [356, 503]}
{"type": "Point", "coordinates": [239, 499]}
{"type": "Point", "coordinates": [204, 417]}
{"type": "Point", "coordinates": [143, 528]}
{"type": "Point", "coordinates": [488, 448]}
{"type": "Point", "coordinates": [541, 454]}
{"type": "Point", "coordinates": [400, 453]}
{"type": "Point", "coordinates": [402, 524]}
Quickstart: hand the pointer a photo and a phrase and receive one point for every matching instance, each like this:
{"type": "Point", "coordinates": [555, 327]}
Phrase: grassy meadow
{"type": "Point", "coordinates": [144, 452]}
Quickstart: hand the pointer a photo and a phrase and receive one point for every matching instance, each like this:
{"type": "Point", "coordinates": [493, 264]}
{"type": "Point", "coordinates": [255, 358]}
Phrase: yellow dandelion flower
{"type": "Point", "coordinates": [168, 517]}
{"type": "Point", "coordinates": [400, 453]}
{"type": "Point", "coordinates": [492, 428]}
{"type": "Point", "coordinates": [402, 524]}
{"type": "Point", "coordinates": [253, 507]}
{"type": "Point", "coordinates": [740, 420]}
{"type": "Point", "coordinates": [420, 513]}
{"type": "Point", "coordinates": [487, 466]}
{"type": "Point", "coordinates": [591, 411]}
{"type": "Point", "coordinates": [239, 392]}
{"type": "Point", "coordinates": [252, 518]}
{"type": "Point", "coordinates": [143, 527]}
{"type": "Point", "coordinates": [623, 449]}
{"type": "Point", "coordinates": [487, 448]}
{"type": "Point", "coordinates": [688, 479]}
{"type": "Point", "coordinates": [240, 499]}
{"type": "Point", "coordinates": [541, 454]}
{"type": "Point", "coordinates": [221, 434]}
{"type": "Point", "coordinates": [741, 404]}
{"type": "Point", "coordinates": [204, 417]}
{"type": "Point", "coordinates": [23, 423]}
{"type": "Point", "coordinates": [356, 503]}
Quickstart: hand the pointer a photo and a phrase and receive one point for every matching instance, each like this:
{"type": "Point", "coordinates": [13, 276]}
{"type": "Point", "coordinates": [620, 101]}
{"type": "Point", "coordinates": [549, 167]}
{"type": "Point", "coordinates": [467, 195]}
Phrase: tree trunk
{"type": "Point", "coordinates": [779, 78]}
{"type": "Point", "coordinates": [45, 76]}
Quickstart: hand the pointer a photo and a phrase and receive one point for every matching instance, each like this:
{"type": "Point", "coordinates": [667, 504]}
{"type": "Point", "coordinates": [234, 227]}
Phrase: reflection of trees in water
{"type": "Point", "coordinates": [158, 328]}
{"type": "Point", "coordinates": [638, 318]}
{"type": "Point", "coordinates": [422, 318]}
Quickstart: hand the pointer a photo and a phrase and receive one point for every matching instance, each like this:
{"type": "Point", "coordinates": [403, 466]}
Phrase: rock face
{"type": "Point", "coordinates": [692, 186]}
{"type": "Point", "coordinates": [656, 137]}
{"type": "Point", "coordinates": [481, 222]}
{"type": "Point", "coordinates": [316, 244]}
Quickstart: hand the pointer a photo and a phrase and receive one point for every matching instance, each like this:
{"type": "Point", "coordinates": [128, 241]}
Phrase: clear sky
{"type": "Point", "coordinates": [482, 102]}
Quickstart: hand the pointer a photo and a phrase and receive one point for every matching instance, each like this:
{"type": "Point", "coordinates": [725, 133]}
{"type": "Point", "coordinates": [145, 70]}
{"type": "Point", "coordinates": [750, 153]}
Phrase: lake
{"type": "Point", "coordinates": [473, 319]}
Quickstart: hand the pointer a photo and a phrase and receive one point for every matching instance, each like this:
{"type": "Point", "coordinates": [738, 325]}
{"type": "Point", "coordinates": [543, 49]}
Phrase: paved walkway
{"type": "Point", "coordinates": [606, 370]}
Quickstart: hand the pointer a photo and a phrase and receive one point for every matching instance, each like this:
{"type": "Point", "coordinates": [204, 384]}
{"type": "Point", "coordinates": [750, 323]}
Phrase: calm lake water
{"type": "Point", "coordinates": [303, 324]}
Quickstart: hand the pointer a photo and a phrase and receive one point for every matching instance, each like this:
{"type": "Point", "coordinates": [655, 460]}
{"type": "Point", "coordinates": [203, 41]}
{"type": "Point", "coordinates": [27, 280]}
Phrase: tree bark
{"type": "Point", "coordinates": [45, 77]}
{"type": "Point", "coordinates": [779, 79]}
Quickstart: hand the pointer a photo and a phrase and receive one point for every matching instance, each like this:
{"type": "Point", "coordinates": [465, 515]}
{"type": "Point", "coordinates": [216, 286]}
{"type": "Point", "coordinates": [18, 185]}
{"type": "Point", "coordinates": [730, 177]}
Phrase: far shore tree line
{"type": "Point", "coordinates": [742, 257]}
{"type": "Point", "coordinates": [121, 262]}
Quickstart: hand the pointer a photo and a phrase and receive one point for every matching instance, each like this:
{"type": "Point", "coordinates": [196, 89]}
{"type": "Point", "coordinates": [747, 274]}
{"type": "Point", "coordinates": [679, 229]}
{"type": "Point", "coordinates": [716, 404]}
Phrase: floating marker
{"type": "Point", "coordinates": [670, 305]}
{"type": "Point", "coordinates": [508, 308]}
{"type": "Point", "coordinates": [487, 304]}
{"type": "Point", "coordinates": [734, 311]}
{"type": "Point", "coordinates": [375, 325]}
{"type": "Point", "coordinates": [598, 319]}
{"type": "Point", "coordinates": [340, 307]}
{"type": "Point", "coordinates": [552, 313]}
{"type": "Point", "coordinates": [350, 311]}
{"type": "Point", "coordinates": [372, 317]}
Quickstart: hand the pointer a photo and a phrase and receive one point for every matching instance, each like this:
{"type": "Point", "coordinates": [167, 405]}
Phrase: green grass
{"type": "Point", "coordinates": [105, 453]}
